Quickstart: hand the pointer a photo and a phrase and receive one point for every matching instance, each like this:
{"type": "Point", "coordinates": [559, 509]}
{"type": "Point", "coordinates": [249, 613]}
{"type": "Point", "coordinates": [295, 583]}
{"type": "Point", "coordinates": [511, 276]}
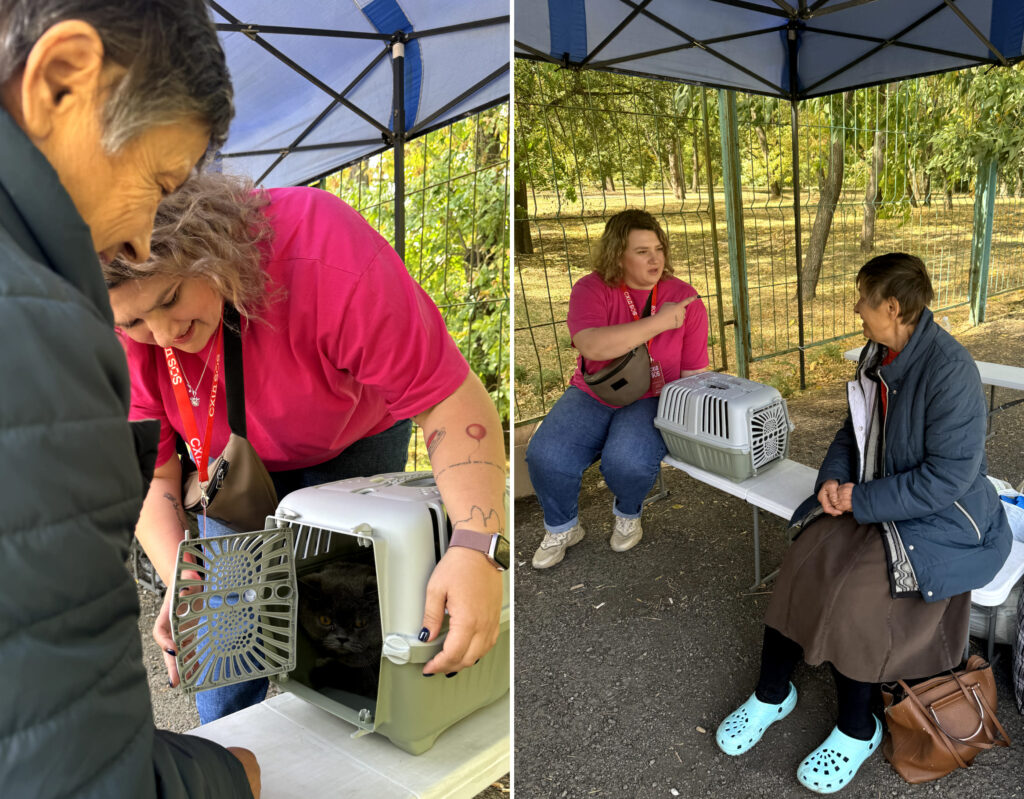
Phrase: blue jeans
{"type": "Point", "coordinates": [578, 431]}
{"type": "Point", "coordinates": [386, 451]}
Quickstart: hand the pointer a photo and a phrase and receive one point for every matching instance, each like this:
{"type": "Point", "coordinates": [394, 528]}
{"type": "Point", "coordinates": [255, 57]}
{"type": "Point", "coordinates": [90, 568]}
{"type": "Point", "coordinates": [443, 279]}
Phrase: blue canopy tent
{"type": "Point", "coordinates": [792, 49]}
{"type": "Point", "coordinates": [319, 86]}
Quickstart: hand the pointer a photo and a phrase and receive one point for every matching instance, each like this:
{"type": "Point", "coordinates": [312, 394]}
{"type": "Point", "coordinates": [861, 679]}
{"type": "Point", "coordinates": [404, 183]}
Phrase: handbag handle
{"type": "Point", "coordinates": [942, 737]}
{"type": "Point", "coordinates": [981, 720]}
{"type": "Point", "coordinates": [982, 705]}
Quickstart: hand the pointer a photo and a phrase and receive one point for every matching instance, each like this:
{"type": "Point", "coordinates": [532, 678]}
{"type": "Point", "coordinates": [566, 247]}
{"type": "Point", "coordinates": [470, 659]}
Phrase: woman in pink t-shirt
{"type": "Point", "coordinates": [341, 348]}
{"type": "Point", "coordinates": [632, 266]}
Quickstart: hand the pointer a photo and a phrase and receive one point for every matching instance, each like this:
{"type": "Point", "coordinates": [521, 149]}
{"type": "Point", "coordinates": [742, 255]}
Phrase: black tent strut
{"type": "Point", "coordinates": [293, 147]}
{"type": "Point", "coordinates": [303, 72]}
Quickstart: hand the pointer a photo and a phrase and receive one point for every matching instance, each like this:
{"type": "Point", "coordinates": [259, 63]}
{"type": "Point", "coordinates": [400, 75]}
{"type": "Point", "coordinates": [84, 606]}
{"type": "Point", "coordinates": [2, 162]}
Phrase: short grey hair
{"type": "Point", "coordinates": [175, 65]}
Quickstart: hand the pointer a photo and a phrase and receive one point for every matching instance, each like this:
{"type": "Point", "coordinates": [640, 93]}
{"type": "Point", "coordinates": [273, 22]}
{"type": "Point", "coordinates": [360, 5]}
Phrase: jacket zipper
{"type": "Point", "coordinates": [971, 520]}
{"type": "Point", "coordinates": [885, 418]}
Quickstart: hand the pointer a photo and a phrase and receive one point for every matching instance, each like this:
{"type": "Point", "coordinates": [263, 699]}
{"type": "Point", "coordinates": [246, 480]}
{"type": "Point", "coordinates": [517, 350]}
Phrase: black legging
{"type": "Point", "coordinates": [779, 656]}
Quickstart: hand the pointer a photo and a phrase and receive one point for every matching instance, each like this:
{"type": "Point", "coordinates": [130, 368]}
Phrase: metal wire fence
{"type": "Point", "coordinates": [456, 184]}
{"type": "Point", "coordinates": [591, 144]}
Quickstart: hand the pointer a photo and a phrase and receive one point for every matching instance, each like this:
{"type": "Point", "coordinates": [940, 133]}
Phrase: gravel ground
{"type": "Point", "coordinates": [626, 663]}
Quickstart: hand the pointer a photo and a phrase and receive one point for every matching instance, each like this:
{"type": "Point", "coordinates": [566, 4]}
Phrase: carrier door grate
{"type": "Point", "coordinates": [768, 432]}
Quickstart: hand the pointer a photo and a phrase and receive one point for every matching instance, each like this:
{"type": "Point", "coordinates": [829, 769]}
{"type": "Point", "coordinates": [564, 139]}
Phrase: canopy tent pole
{"type": "Point", "coordinates": [398, 129]}
{"type": "Point", "coordinates": [794, 120]}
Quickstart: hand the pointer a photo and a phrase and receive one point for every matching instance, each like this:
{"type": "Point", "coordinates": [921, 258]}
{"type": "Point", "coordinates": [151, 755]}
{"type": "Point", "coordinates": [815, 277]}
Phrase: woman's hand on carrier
{"type": "Point", "coordinates": [162, 632]}
{"type": "Point", "coordinates": [469, 586]}
{"type": "Point", "coordinates": [162, 636]}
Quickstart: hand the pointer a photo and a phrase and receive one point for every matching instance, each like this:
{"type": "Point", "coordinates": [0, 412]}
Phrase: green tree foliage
{"type": "Point", "coordinates": [457, 235]}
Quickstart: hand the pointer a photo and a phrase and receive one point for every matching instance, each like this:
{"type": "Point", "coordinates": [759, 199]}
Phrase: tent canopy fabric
{"type": "Point", "coordinates": [792, 49]}
{"type": "Point", "coordinates": [315, 85]}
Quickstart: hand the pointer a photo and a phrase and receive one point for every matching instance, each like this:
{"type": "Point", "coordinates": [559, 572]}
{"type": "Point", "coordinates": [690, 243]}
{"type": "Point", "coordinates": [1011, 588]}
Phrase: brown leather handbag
{"type": "Point", "coordinates": [240, 493]}
{"type": "Point", "coordinates": [941, 724]}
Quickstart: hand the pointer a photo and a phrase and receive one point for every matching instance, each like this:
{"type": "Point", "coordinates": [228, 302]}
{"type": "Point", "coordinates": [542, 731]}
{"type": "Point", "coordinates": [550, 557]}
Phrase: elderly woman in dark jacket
{"type": "Point", "coordinates": [104, 107]}
{"type": "Point", "coordinates": [903, 525]}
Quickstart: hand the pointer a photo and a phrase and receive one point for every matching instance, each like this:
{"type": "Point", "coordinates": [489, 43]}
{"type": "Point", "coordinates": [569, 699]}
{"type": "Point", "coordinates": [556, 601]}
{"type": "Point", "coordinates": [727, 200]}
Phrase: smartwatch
{"type": "Point", "coordinates": [493, 545]}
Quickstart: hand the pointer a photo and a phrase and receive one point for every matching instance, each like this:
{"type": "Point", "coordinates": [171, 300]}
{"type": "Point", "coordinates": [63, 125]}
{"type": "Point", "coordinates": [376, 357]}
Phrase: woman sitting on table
{"type": "Point", "coordinates": [341, 348]}
{"type": "Point", "coordinates": [903, 526]}
{"type": "Point", "coordinates": [632, 269]}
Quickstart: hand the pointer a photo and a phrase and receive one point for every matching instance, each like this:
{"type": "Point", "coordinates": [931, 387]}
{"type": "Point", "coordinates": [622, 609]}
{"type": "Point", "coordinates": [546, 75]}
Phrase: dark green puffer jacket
{"type": "Point", "coordinates": [75, 713]}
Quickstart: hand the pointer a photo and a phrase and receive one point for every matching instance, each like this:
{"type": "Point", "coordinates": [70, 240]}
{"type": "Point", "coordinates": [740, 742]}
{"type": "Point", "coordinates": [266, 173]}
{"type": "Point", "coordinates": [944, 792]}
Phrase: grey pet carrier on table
{"type": "Point", "coordinates": [724, 424]}
{"type": "Point", "coordinates": [239, 621]}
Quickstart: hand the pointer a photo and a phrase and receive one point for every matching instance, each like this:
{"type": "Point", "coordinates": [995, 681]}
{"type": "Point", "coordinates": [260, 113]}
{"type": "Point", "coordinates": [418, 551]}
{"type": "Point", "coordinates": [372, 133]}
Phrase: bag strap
{"type": "Point", "coordinates": [583, 364]}
{"type": "Point", "coordinates": [926, 715]}
{"type": "Point", "coordinates": [981, 700]}
{"type": "Point", "coordinates": [234, 383]}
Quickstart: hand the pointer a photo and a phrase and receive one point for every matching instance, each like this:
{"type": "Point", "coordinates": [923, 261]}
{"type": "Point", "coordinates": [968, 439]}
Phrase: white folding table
{"type": "Point", "coordinates": [306, 753]}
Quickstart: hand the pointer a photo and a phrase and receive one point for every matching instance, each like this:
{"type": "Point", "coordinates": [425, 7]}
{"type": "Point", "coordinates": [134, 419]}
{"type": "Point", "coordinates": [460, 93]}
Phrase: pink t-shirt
{"type": "Point", "coordinates": [593, 303]}
{"type": "Point", "coordinates": [353, 347]}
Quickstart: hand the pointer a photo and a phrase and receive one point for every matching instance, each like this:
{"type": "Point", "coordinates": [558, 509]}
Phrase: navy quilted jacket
{"type": "Point", "coordinates": [944, 516]}
{"type": "Point", "coordinates": [75, 713]}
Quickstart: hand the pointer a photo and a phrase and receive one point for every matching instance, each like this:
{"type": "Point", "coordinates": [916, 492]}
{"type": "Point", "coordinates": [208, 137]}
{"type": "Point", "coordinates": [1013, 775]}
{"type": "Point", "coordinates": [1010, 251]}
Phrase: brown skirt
{"type": "Point", "coordinates": [832, 597]}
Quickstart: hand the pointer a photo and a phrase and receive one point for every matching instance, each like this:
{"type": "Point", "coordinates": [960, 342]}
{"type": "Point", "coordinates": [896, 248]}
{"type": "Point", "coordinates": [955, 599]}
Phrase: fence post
{"type": "Point", "coordinates": [734, 223]}
{"type": "Point", "coordinates": [981, 243]}
{"type": "Point", "coordinates": [714, 228]}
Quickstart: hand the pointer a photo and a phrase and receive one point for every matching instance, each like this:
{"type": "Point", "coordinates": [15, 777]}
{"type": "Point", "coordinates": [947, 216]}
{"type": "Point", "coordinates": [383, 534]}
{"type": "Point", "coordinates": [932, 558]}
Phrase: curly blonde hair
{"type": "Point", "coordinates": [213, 227]}
{"type": "Point", "coordinates": [608, 258]}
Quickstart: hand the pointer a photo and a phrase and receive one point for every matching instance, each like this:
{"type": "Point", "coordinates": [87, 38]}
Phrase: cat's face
{"type": "Point", "coordinates": [340, 611]}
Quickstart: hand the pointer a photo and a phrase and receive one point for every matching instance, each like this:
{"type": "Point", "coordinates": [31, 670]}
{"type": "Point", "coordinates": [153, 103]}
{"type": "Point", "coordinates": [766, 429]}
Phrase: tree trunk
{"type": "Point", "coordinates": [675, 160]}
{"type": "Point", "coordinates": [926, 189]}
{"type": "Point", "coordinates": [912, 185]}
{"type": "Point", "coordinates": [774, 191]}
{"type": "Point", "coordinates": [947, 194]}
{"type": "Point", "coordinates": [523, 236]}
{"type": "Point", "coordinates": [831, 187]}
{"type": "Point", "coordinates": [873, 193]}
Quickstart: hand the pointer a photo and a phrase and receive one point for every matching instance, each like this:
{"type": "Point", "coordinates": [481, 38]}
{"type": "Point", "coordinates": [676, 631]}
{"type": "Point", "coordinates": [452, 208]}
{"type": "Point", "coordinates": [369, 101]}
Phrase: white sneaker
{"type": "Point", "coordinates": [552, 548]}
{"type": "Point", "coordinates": [627, 534]}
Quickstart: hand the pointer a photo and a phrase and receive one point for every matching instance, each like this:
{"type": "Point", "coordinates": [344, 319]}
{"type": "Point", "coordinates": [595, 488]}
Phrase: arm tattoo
{"type": "Point", "coordinates": [449, 467]}
{"type": "Point", "coordinates": [433, 440]}
{"type": "Point", "coordinates": [483, 522]}
{"type": "Point", "coordinates": [179, 511]}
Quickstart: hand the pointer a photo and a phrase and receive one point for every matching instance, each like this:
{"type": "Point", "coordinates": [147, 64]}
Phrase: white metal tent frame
{"type": "Point", "coordinates": [568, 46]}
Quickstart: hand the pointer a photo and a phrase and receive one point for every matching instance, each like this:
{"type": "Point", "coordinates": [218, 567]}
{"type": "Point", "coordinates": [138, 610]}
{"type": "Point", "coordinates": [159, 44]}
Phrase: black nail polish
{"type": "Point", "coordinates": [171, 652]}
{"type": "Point", "coordinates": [476, 661]}
{"type": "Point", "coordinates": [451, 674]}
{"type": "Point", "coordinates": [424, 635]}
{"type": "Point", "coordinates": [170, 684]}
{"type": "Point", "coordinates": [429, 675]}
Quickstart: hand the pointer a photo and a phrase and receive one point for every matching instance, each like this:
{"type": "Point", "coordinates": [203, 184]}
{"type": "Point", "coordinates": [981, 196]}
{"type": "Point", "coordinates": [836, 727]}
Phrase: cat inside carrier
{"type": "Point", "coordinates": [328, 602]}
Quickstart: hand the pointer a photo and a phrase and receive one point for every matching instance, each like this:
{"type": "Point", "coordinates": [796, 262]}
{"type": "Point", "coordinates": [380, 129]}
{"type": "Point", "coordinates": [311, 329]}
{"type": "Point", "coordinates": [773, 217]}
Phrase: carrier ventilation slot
{"type": "Point", "coordinates": [768, 432]}
{"type": "Point", "coordinates": [715, 417]}
{"type": "Point", "coordinates": [437, 528]}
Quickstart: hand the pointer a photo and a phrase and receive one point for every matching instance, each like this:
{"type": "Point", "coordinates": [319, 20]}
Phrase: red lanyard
{"type": "Point", "coordinates": [632, 306]}
{"type": "Point", "coordinates": [200, 449]}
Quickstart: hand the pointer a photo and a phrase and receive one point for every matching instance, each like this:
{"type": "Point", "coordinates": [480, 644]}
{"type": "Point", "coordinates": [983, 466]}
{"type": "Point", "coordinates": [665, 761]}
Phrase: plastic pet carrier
{"type": "Point", "coordinates": [724, 424]}
{"type": "Point", "coordinates": [381, 538]}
